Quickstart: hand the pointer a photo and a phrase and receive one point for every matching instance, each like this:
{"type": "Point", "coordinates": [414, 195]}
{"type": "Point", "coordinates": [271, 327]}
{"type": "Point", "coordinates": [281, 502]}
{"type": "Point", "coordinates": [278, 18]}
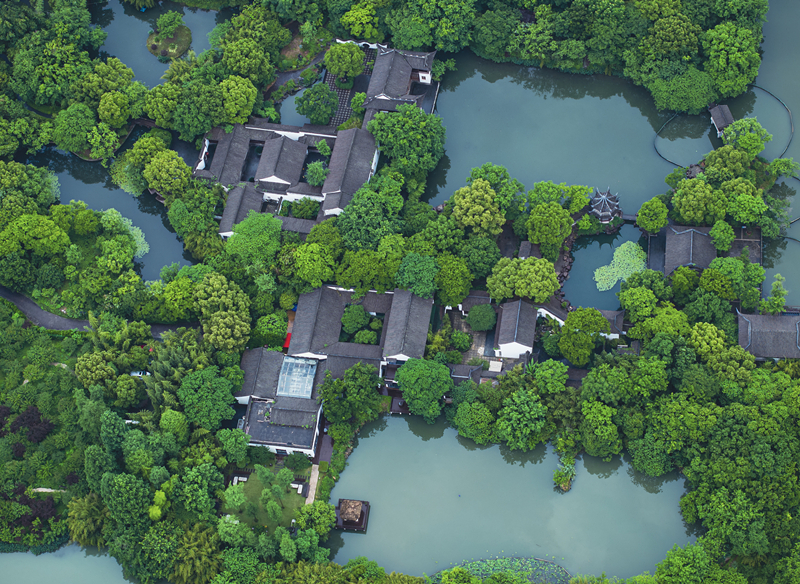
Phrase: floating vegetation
{"type": "Point", "coordinates": [629, 258]}
{"type": "Point", "coordinates": [536, 570]}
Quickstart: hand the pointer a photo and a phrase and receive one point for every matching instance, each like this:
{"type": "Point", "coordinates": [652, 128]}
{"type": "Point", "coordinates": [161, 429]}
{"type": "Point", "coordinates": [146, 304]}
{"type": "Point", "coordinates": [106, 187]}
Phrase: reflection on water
{"type": "Point", "coordinates": [68, 565]}
{"type": "Point", "coordinates": [590, 253]}
{"type": "Point", "coordinates": [128, 29]}
{"type": "Point", "coordinates": [438, 499]}
{"type": "Point", "coordinates": [90, 182]}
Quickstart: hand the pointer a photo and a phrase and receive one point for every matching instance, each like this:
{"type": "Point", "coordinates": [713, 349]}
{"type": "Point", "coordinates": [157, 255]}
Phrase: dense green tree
{"type": "Point", "coordinates": [353, 397]}
{"type": "Point", "coordinates": [521, 420]}
{"type": "Point", "coordinates": [423, 384]}
{"type": "Point", "coordinates": [549, 225]}
{"type": "Point", "coordinates": [418, 274]}
{"type": "Point", "coordinates": [475, 421]}
{"type": "Point", "coordinates": [529, 278]}
{"type": "Point", "coordinates": [733, 58]}
{"type": "Point", "coordinates": [481, 254]}
{"type": "Point", "coordinates": [318, 104]}
{"type": "Point", "coordinates": [246, 58]}
{"type": "Point", "coordinates": [224, 311]}
{"type": "Point", "coordinates": [72, 127]}
{"type": "Point", "coordinates": [722, 235]}
{"type": "Point", "coordinates": [206, 398]}
{"type": "Point", "coordinates": [87, 517]}
{"type": "Point", "coordinates": [198, 558]}
{"type": "Point", "coordinates": [599, 434]}
{"type": "Point", "coordinates": [167, 173]}
{"type": "Point", "coordinates": [256, 239]}
{"type": "Point", "coordinates": [345, 60]}
{"type": "Point", "coordinates": [481, 317]}
{"type": "Point", "coordinates": [412, 139]}
{"type": "Point", "coordinates": [507, 191]}
{"type": "Point", "coordinates": [652, 215]}
{"type": "Point", "coordinates": [453, 280]}
{"type": "Point", "coordinates": [638, 303]}
{"type": "Point", "coordinates": [475, 208]}
{"type": "Point", "coordinates": [319, 516]}
{"type": "Point", "coordinates": [698, 203]}
{"type": "Point", "coordinates": [776, 302]}
{"type": "Point", "coordinates": [127, 498]}
{"type": "Point", "coordinates": [579, 334]}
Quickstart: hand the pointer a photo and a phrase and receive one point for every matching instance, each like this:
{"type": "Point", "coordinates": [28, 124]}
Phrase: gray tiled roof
{"type": "Point", "coordinates": [241, 200]}
{"type": "Point", "coordinates": [721, 116]}
{"type": "Point", "coordinates": [261, 371]}
{"type": "Point", "coordinates": [230, 155]}
{"type": "Point", "coordinates": [282, 158]}
{"type": "Point", "coordinates": [302, 226]}
{"type": "Point", "coordinates": [407, 325]}
{"type": "Point", "coordinates": [604, 205]}
{"type": "Point", "coordinates": [391, 73]}
{"type": "Point", "coordinates": [615, 319]}
{"type": "Point", "coordinates": [688, 246]}
{"type": "Point", "coordinates": [770, 337]}
{"type": "Point", "coordinates": [517, 324]}
{"type": "Point", "coordinates": [350, 165]}
{"type": "Point", "coordinates": [475, 298]}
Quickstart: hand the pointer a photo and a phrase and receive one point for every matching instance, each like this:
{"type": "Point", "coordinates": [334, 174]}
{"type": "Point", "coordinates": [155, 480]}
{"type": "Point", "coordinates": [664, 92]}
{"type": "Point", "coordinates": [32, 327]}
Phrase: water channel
{"type": "Point", "coordinates": [438, 499]}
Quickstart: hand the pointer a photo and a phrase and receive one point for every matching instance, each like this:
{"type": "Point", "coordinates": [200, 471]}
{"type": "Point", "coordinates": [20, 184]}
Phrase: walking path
{"type": "Point", "coordinates": [312, 484]}
{"type": "Point", "coordinates": [54, 322]}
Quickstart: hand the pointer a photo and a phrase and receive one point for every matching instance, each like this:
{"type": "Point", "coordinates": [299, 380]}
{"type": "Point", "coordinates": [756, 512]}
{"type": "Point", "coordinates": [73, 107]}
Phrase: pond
{"type": "Point", "coordinates": [90, 182]}
{"type": "Point", "coordinates": [69, 565]}
{"type": "Point", "coordinates": [590, 253]}
{"type": "Point", "coordinates": [438, 499]}
{"type": "Point", "coordinates": [128, 29]}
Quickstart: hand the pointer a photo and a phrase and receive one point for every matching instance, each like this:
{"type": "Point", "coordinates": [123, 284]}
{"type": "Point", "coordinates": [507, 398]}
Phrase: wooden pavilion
{"type": "Point", "coordinates": [352, 515]}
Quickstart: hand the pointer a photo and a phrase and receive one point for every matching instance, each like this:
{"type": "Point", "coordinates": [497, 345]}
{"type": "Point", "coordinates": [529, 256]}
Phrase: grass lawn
{"type": "Point", "coordinates": [171, 47]}
{"type": "Point", "coordinates": [252, 489]}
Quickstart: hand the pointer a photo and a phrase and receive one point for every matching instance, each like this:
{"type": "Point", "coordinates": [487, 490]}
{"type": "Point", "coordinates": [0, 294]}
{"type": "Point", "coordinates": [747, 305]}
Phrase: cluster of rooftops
{"type": "Point", "coordinates": [261, 162]}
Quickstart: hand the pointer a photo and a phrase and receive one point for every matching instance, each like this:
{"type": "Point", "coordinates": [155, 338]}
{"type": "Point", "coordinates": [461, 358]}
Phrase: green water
{"type": "Point", "coordinates": [69, 565]}
{"type": "Point", "coordinates": [438, 499]}
{"type": "Point", "coordinates": [91, 182]}
{"type": "Point", "coordinates": [590, 253]}
{"type": "Point", "coordinates": [128, 29]}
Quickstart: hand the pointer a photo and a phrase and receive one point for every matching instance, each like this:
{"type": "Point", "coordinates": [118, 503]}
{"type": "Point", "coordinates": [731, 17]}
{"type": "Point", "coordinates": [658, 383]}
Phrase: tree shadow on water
{"type": "Point", "coordinates": [597, 467]}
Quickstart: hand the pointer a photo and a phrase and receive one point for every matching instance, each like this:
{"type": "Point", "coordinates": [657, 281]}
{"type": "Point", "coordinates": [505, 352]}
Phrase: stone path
{"type": "Point", "coordinates": [53, 322]}
{"type": "Point", "coordinates": [478, 338]}
{"type": "Point", "coordinates": [312, 484]}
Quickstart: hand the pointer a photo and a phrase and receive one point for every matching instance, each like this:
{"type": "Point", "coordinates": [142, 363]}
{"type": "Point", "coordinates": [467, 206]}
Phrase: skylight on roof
{"type": "Point", "coordinates": [297, 377]}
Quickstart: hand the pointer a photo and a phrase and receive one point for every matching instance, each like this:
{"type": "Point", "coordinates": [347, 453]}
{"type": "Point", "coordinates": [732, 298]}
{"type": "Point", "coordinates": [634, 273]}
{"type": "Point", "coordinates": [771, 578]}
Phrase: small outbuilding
{"type": "Point", "coordinates": [605, 206]}
{"type": "Point", "coordinates": [352, 515]}
{"type": "Point", "coordinates": [770, 336]}
{"type": "Point", "coordinates": [516, 329]}
{"type": "Point", "coordinates": [688, 246]}
{"type": "Point", "coordinates": [721, 117]}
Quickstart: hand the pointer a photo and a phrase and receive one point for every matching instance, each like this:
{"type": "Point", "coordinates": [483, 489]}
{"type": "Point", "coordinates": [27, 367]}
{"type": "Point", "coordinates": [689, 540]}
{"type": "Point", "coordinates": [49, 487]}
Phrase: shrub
{"type": "Point", "coordinates": [260, 455]}
{"type": "Point", "coordinates": [338, 461]}
{"type": "Point", "coordinates": [341, 433]}
{"type": "Point", "coordinates": [323, 466]}
{"type": "Point", "coordinates": [297, 461]}
{"type": "Point", "coordinates": [453, 357]}
{"type": "Point", "coordinates": [722, 236]}
{"type": "Point", "coordinates": [305, 208]}
{"type": "Point", "coordinates": [323, 148]}
{"type": "Point", "coordinates": [287, 300]}
{"type": "Point", "coordinates": [309, 76]}
{"type": "Point", "coordinates": [318, 104]}
{"type": "Point", "coordinates": [481, 317]}
{"type": "Point", "coordinates": [366, 337]}
{"type": "Point", "coordinates": [316, 173]}
{"type": "Point", "coordinates": [475, 361]}
{"type": "Point", "coordinates": [354, 319]}
{"type": "Point", "coordinates": [376, 324]}
{"type": "Point", "coordinates": [168, 23]}
{"type": "Point", "coordinates": [461, 341]}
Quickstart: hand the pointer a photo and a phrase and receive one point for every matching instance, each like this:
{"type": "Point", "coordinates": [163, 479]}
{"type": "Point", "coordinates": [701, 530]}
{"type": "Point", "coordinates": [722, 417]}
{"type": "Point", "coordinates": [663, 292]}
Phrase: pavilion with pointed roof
{"type": "Point", "coordinates": [605, 206]}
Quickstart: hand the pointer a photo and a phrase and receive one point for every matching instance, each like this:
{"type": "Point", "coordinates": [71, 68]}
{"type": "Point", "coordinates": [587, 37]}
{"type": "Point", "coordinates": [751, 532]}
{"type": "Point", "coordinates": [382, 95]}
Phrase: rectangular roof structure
{"type": "Point", "coordinates": [688, 246]}
{"type": "Point", "coordinates": [407, 325]}
{"type": "Point", "coordinates": [262, 368]}
{"type": "Point", "coordinates": [241, 200]}
{"type": "Point", "coordinates": [616, 319]}
{"type": "Point", "coordinates": [392, 73]}
{"type": "Point", "coordinates": [297, 377]}
{"type": "Point", "coordinates": [517, 324]}
{"type": "Point", "coordinates": [281, 161]}
{"type": "Point", "coordinates": [269, 422]}
{"type": "Point", "coordinates": [721, 117]}
{"type": "Point", "coordinates": [770, 337]}
{"type": "Point", "coordinates": [351, 164]}
{"type": "Point", "coordinates": [316, 328]}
